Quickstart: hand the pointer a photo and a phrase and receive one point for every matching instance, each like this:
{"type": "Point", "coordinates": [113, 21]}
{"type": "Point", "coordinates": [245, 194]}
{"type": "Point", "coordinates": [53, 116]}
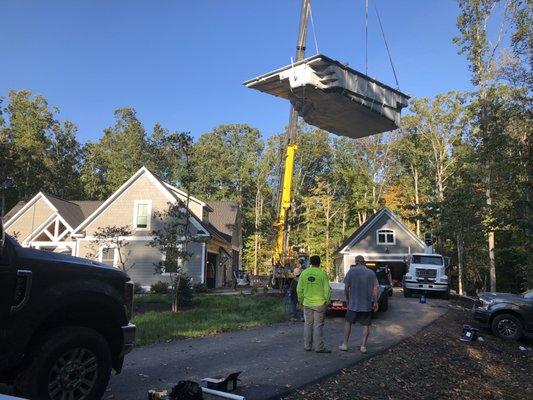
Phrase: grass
{"type": "Point", "coordinates": [209, 315]}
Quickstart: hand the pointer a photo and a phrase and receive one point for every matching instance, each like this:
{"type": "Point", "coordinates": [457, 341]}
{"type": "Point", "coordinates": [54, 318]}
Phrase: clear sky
{"type": "Point", "coordinates": [182, 63]}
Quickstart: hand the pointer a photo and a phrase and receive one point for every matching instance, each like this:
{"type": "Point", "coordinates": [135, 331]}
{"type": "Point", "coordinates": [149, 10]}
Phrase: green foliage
{"type": "Point", "coordinates": [159, 288]}
{"type": "Point", "coordinates": [200, 288]}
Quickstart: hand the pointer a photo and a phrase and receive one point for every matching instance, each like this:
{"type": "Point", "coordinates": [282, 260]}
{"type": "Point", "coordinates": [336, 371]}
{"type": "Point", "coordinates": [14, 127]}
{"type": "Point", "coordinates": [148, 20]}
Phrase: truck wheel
{"type": "Point", "coordinates": [446, 294]}
{"type": "Point", "coordinates": [384, 305]}
{"type": "Point", "coordinates": [507, 327]}
{"type": "Point", "coordinates": [72, 363]}
{"type": "Point", "coordinates": [406, 292]}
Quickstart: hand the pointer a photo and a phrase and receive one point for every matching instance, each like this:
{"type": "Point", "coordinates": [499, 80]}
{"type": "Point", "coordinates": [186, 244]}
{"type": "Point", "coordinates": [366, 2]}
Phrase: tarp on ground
{"type": "Point", "coordinates": [334, 97]}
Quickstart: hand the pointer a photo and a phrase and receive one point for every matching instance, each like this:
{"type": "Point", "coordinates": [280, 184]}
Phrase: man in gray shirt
{"type": "Point", "coordinates": [362, 293]}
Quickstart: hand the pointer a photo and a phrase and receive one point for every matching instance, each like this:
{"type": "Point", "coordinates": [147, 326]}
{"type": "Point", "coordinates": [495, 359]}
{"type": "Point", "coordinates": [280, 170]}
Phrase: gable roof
{"type": "Point", "coordinates": [72, 211]}
{"type": "Point", "coordinates": [171, 196]}
{"type": "Point", "coordinates": [363, 229]}
{"type": "Point", "coordinates": [224, 216]}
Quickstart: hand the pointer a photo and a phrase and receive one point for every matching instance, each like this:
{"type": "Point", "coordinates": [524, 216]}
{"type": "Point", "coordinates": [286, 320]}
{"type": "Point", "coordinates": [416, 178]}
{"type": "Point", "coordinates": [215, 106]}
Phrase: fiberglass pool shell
{"type": "Point", "coordinates": [334, 97]}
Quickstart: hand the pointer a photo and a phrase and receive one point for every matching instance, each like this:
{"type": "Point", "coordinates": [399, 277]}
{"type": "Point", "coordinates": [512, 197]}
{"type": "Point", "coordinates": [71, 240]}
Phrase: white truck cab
{"type": "Point", "coordinates": [426, 273]}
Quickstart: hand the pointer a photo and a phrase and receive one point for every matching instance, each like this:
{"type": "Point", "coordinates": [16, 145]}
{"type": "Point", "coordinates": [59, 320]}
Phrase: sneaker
{"type": "Point", "coordinates": [343, 347]}
{"type": "Point", "coordinates": [324, 351]}
{"type": "Point", "coordinates": [363, 349]}
{"type": "Point", "coordinates": [307, 349]}
{"type": "Point", "coordinates": [293, 320]}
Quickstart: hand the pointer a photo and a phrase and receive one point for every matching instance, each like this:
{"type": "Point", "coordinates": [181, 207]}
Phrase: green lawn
{"type": "Point", "coordinates": [208, 315]}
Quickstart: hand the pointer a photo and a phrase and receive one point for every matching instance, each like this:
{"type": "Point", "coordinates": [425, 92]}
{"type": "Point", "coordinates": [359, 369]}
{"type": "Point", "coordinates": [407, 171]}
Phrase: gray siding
{"type": "Point", "coordinates": [368, 243]}
{"type": "Point", "coordinates": [194, 265]}
{"type": "Point", "coordinates": [144, 257]}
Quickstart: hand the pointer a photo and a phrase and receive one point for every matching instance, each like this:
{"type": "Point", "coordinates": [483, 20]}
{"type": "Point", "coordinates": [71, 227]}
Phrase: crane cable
{"type": "Point", "coordinates": [386, 44]}
{"type": "Point", "coordinates": [313, 27]}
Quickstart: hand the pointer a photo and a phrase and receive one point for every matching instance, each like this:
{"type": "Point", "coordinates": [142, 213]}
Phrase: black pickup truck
{"type": "Point", "coordinates": [64, 323]}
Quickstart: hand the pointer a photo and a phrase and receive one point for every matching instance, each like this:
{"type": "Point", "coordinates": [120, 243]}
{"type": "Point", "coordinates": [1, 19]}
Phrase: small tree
{"type": "Point", "coordinates": [113, 237]}
{"type": "Point", "coordinates": [172, 239]}
{"type": "Point", "coordinates": [173, 234]}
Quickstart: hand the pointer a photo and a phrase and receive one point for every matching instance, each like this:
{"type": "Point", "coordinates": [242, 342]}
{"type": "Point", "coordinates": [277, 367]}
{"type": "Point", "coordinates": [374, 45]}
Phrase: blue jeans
{"type": "Point", "coordinates": [295, 312]}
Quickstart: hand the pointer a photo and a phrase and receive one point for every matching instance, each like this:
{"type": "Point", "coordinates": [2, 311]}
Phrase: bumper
{"type": "Point", "coordinates": [482, 316]}
{"type": "Point", "coordinates": [426, 286]}
{"type": "Point", "coordinates": [128, 333]}
{"type": "Point", "coordinates": [336, 305]}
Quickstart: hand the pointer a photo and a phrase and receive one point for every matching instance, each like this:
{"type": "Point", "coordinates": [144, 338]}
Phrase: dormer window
{"type": "Point", "coordinates": [142, 214]}
{"type": "Point", "coordinates": [385, 237]}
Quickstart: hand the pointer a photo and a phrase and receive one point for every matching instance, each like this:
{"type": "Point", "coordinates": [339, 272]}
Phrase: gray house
{"type": "Point", "coordinates": [382, 239]}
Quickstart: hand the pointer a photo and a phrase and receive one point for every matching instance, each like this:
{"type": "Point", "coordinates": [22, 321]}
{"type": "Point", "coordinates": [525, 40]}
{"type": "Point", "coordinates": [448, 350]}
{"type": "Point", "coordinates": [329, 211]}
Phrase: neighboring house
{"type": "Point", "coordinates": [70, 226]}
{"type": "Point", "coordinates": [382, 239]}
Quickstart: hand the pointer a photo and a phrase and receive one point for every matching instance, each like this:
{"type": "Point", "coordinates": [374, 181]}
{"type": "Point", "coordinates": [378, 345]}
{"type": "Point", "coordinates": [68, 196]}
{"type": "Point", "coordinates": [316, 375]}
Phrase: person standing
{"type": "Point", "coordinates": [314, 293]}
{"type": "Point", "coordinates": [293, 295]}
{"type": "Point", "coordinates": [362, 293]}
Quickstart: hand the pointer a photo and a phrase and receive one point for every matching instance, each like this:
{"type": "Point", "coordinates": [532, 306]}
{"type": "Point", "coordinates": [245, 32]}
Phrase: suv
{"type": "Point", "coordinates": [64, 323]}
{"type": "Point", "coordinates": [508, 315]}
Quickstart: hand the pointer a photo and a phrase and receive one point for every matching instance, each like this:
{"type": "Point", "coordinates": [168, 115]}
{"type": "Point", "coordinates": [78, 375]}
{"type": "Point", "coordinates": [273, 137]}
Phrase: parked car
{"type": "Point", "coordinates": [508, 315]}
{"type": "Point", "coordinates": [64, 323]}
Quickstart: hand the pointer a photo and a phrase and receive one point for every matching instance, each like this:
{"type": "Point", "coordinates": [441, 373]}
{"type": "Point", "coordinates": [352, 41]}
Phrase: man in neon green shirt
{"type": "Point", "coordinates": [314, 292]}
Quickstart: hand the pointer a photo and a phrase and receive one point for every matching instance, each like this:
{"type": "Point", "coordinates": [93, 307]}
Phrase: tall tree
{"type": "Point", "coordinates": [122, 150]}
{"type": "Point", "coordinates": [484, 55]}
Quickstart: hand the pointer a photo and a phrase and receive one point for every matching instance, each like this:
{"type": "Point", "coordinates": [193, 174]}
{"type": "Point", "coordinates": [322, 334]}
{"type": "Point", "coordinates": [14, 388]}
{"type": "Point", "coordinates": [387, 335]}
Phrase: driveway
{"type": "Point", "coordinates": [272, 358]}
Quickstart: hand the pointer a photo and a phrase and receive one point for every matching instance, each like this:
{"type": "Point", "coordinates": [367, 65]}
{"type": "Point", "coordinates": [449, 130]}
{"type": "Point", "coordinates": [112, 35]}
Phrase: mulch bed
{"type": "Point", "coordinates": [434, 364]}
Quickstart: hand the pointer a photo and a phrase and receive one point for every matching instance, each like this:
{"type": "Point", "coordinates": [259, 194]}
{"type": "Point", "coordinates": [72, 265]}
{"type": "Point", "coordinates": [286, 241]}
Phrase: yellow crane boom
{"type": "Point", "coordinates": [280, 250]}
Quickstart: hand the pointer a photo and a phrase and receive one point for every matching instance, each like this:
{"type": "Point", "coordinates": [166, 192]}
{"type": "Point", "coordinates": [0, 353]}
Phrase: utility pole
{"type": "Point", "coordinates": [288, 166]}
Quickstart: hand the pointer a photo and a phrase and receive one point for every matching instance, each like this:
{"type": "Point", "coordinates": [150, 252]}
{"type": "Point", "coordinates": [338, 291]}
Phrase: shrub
{"type": "Point", "coordinates": [159, 288]}
{"type": "Point", "coordinates": [200, 288]}
{"type": "Point", "coordinates": [137, 288]}
{"type": "Point", "coordinates": [255, 288]}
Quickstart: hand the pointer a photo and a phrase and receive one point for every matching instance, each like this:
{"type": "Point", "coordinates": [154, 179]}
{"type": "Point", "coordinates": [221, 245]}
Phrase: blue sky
{"type": "Point", "coordinates": [182, 63]}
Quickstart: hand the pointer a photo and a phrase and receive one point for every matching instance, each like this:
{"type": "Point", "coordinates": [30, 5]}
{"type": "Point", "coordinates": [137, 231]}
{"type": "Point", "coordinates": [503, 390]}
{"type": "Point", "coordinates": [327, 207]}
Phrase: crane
{"type": "Point", "coordinates": [330, 95]}
{"type": "Point", "coordinates": [287, 172]}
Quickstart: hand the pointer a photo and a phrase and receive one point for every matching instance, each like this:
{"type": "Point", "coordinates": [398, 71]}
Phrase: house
{"type": "Point", "coordinates": [55, 224]}
{"type": "Point", "coordinates": [382, 239]}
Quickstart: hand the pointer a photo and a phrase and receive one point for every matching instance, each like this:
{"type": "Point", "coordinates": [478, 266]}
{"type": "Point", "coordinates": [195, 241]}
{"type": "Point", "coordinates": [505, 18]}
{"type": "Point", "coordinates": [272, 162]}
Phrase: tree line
{"type": "Point", "coordinates": [459, 167]}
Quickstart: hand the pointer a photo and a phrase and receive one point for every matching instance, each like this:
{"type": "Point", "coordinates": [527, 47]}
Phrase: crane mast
{"type": "Point", "coordinates": [282, 240]}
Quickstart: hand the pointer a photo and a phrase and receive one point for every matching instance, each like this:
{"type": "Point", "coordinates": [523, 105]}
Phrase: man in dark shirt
{"type": "Point", "coordinates": [362, 293]}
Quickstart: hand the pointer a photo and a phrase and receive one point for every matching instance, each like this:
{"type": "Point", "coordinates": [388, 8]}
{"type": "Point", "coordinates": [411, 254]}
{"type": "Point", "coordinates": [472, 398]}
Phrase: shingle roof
{"type": "Point", "coordinates": [14, 210]}
{"type": "Point", "coordinates": [224, 217]}
{"type": "Point", "coordinates": [73, 211]}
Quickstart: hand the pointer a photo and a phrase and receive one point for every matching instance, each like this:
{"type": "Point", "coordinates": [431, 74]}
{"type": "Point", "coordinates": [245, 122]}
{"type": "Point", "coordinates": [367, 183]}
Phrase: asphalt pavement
{"type": "Point", "coordinates": [271, 358]}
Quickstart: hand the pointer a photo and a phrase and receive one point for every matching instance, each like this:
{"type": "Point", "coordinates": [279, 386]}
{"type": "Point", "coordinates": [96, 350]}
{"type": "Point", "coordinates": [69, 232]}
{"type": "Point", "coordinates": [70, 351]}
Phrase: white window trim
{"type": "Point", "coordinates": [386, 231]}
{"type": "Point", "coordinates": [135, 209]}
{"type": "Point", "coordinates": [115, 253]}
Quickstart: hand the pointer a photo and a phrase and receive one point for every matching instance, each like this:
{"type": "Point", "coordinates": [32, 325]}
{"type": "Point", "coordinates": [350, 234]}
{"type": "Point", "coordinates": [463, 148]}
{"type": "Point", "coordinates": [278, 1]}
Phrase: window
{"type": "Point", "coordinates": [385, 236]}
{"type": "Point", "coordinates": [142, 214]}
{"type": "Point", "coordinates": [107, 256]}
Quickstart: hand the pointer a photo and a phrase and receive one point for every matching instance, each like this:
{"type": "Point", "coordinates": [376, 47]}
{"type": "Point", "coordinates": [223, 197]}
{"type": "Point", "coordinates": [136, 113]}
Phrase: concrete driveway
{"type": "Point", "coordinates": [272, 358]}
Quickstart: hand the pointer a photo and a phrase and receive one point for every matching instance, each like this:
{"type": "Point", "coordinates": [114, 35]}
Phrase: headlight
{"type": "Point", "coordinates": [408, 277]}
{"type": "Point", "coordinates": [444, 279]}
{"type": "Point", "coordinates": [484, 304]}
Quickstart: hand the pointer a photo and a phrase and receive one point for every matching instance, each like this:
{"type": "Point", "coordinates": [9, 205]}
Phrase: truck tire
{"type": "Point", "coordinates": [446, 294]}
{"type": "Point", "coordinates": [384, 305]}
{"type": "Point", "coordinates": [71, 363]}
{"type": "Point", "coordinates": [406, 292]}
{"type": "Point", "coordinates": [507, 327]}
